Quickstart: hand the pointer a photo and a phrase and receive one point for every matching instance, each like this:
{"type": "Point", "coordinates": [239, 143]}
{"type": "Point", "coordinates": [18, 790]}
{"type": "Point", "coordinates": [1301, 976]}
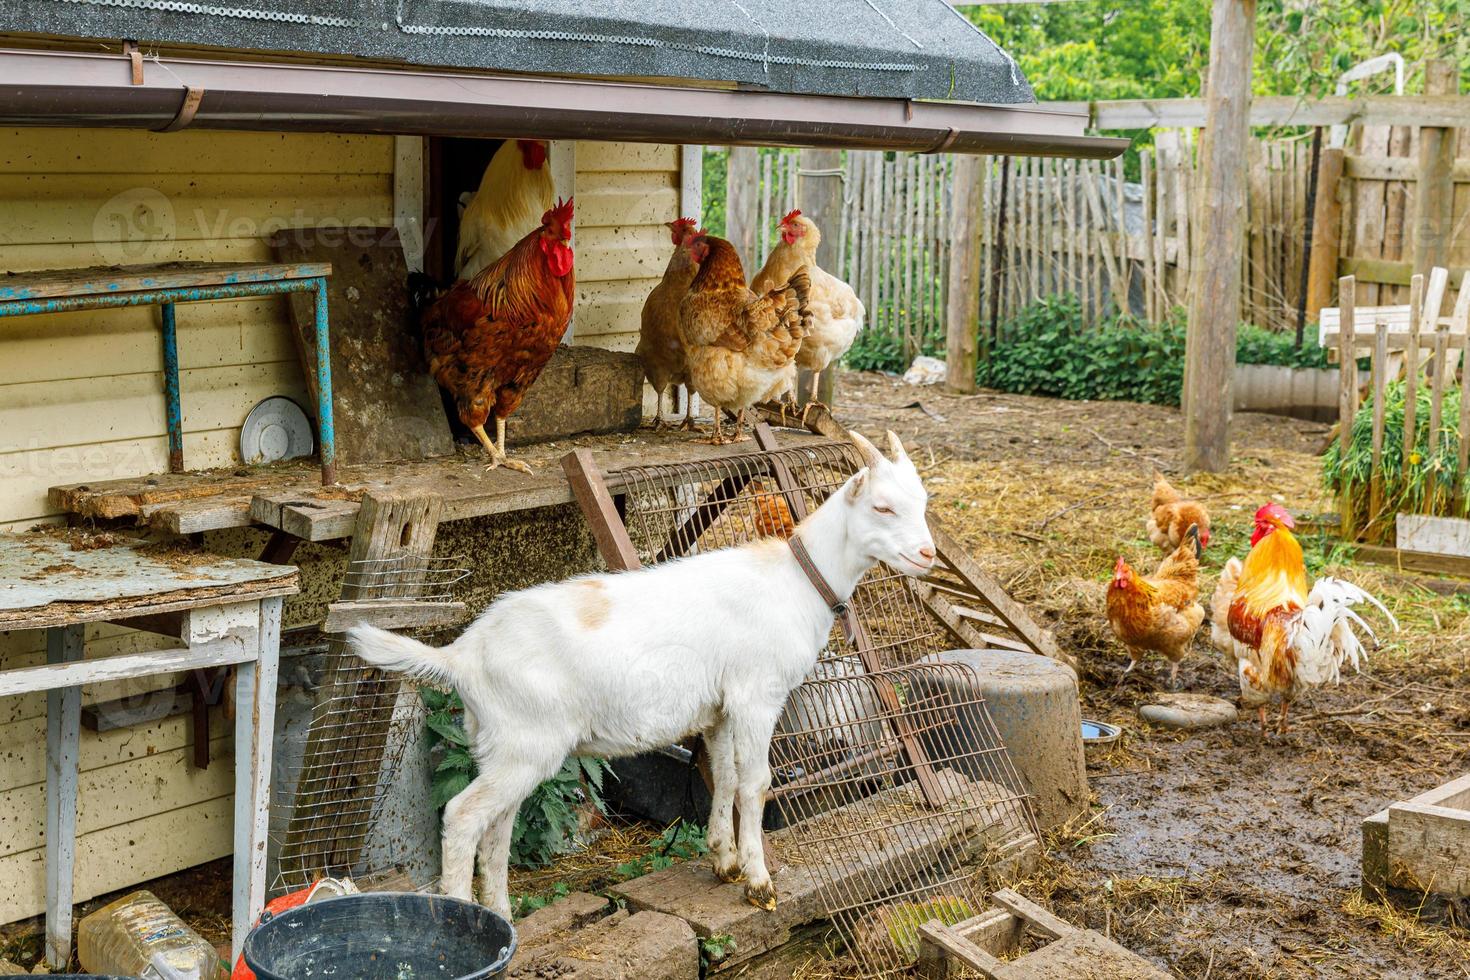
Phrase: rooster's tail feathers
{"type": "Point", "coordinates": [399, 653]}
{"type": "Point", "coordinates": [1337, 593]}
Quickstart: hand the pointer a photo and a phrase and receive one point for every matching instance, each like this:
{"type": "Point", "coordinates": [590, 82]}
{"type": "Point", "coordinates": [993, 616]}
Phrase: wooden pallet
{"type": "Point", "coordinates": [981, 943]}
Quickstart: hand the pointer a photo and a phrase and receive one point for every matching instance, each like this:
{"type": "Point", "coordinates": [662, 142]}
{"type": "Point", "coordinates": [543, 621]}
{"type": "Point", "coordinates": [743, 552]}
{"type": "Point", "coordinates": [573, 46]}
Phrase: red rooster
{"type": "Point", "coordinates": [488, 337]}
{"type": "Point", "coordinates": [1284, 638]}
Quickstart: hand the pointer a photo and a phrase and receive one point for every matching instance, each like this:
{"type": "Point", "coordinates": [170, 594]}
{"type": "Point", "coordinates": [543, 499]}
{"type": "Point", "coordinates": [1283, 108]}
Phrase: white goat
{"type": "Point", "coordinates": [613, 665]}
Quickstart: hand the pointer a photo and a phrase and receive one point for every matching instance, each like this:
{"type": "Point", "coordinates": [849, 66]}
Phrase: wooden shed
{"type": "Point", "coordinates": [153, 132]}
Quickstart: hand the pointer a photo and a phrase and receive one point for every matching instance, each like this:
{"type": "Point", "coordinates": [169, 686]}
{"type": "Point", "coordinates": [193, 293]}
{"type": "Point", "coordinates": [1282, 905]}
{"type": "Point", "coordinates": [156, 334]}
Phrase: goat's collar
{"type": "Point", "coordinates": [804, 559]}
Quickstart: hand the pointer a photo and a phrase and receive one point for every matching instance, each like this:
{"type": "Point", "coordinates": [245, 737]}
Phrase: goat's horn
{"type": "Point", "coordinates": [869, 452]}
{"type": "Point", "coordinates": [895, 448]}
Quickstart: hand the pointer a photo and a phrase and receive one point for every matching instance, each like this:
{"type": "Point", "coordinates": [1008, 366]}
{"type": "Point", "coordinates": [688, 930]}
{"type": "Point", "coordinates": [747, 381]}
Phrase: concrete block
{"type": "Point", "coordinates": [713, 908]}
{"type": "Point", "coordinates": [582, 390]}
{"type": "Point", "coordinates": [1033, 703]}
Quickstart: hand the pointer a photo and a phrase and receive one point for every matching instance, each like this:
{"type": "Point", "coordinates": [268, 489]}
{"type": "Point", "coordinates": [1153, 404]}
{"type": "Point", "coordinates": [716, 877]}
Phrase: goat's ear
{"type": "Point", "coordinates": [895, 448]}
{"type": "Point", "coordinates": [856, 484]}
{"type": "Point", "coordinates": [869, 452]}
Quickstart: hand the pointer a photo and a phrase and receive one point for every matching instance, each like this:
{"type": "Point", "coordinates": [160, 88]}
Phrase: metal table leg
{"type": "Point", "coordinates": [63, 735]}
{"type": "Point", "coordinates": [173, 412]}
{"type": "Point", "coordinates": [255, 712]}
{"type": "Point", "coordinates": [328, 433]}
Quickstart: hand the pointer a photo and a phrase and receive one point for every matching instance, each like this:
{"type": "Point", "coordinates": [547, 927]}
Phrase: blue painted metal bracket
{"type": "Point", "coordinates": [165, 298]}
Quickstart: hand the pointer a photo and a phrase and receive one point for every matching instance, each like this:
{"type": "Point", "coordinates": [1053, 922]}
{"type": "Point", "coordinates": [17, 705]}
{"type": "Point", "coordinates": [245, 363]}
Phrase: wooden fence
{"type": "Point", "coordinates": [1394, 458]}
{"type": "Point", "coordinates": [1048, 228]}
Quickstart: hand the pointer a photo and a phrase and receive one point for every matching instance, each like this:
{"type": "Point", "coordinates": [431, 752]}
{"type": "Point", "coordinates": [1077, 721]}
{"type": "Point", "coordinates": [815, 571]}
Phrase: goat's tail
{"type": "Point", "coordinates": [393, 652]}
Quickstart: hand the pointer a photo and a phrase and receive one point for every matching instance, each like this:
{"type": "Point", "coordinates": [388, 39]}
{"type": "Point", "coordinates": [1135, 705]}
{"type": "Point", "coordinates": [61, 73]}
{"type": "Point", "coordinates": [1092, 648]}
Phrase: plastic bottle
{"type": "Point", "coordinates": [139, 936]}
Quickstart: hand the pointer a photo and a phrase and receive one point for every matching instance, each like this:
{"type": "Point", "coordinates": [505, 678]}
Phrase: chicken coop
{"type": "Point", "coordinates": [214, 221]}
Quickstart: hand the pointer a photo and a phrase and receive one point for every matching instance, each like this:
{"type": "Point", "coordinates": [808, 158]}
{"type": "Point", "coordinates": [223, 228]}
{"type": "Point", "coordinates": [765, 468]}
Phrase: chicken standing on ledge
{"type": "Point", "coordinates": [515, 190]}
{"type": "Point", "coordinates": [487, 338]}
{"type": "Point", "coordinates": [1161, 612]}
{"type": "Point", "coordinates": [738, 343]}
{"type": "Point", "coordinates": [660, 350]}
{"type": "Point", "coordinates": [1284, 638]}
{"type": "Point", "coordinates": [837, 313]}
{"type": "Point", "coordinates": [1171, 516]}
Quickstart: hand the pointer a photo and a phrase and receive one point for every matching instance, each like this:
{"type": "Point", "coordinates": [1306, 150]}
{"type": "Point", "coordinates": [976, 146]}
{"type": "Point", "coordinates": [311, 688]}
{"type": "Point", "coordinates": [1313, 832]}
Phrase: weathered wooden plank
{"type": "Point", "coordinates": [1347, 396]}
{"type": "Point", "coordinates": [1284, 110]}
{"type": "Point", "coordinates": [1413, 561]}
{"type": "Point", "coordinates": [393, 614]}
{"type": "Point", "coordinates": [962, 318]}
{"type": "Point", "coordinates": [1436, 535]}
{"type": "Point", "coordinates": [255, 712]}
{"type": "Point", "coordinates": [52, 675]}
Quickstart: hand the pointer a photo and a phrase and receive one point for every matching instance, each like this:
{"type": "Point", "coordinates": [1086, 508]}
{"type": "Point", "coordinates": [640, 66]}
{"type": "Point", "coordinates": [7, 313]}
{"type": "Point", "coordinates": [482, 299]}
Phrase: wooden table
{"type": "Point", "coordinates": [64, 290]}
{"type": "Point", "coordinates": [226, 611]}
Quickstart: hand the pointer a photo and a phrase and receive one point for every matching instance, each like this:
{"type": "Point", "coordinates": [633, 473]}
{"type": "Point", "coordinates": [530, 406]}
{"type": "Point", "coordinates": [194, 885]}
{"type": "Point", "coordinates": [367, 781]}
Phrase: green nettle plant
{"type": "Point", "coordinates": [547, 823]}
{"type": "Point", "coordinates": [1407, 487]}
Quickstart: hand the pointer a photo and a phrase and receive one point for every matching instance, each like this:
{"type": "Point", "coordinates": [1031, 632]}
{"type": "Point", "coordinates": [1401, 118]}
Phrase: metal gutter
{"type": "Point", "coordinates": [63, 88]}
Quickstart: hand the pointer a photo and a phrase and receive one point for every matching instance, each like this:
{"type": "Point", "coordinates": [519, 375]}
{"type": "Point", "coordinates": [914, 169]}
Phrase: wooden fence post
{"type": "Point", "coordinates": [741, 184]}
{"type": "Point", "coordinates": [962, 318]}
{"type": "Point", "coordinates": [819, 195]}
{"type": "Point", "coordinates": [1435, 193]}
{"type": "Point", "coordinates": [1214, 306]}
{"type": "Point", "coordinates": [1326, 234]}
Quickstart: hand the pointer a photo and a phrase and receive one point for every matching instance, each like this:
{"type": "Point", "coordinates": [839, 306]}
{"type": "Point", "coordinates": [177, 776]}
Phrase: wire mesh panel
{"type": "Point", "coordinates": [361, 724]}
{"type": "Point", "coordinates": [885, 762]}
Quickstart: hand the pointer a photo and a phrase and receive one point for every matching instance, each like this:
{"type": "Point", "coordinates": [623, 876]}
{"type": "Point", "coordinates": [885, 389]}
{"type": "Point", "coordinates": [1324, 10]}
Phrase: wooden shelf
{"type": "Point", "coordinates": [288, 496]}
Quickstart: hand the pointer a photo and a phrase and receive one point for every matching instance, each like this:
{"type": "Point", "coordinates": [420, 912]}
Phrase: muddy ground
{"type": "Point", "coordinates": [1217, 855]}
{"type": "Point", "coordinates": [1220, 854]}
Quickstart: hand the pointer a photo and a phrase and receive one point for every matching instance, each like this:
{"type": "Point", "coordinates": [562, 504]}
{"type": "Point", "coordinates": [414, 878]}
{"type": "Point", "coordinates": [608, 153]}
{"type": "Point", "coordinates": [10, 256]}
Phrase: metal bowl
{"type": "Point", "coordinates": [1098, 738]}
{"type": "Point", "coordinates": [275, 429]}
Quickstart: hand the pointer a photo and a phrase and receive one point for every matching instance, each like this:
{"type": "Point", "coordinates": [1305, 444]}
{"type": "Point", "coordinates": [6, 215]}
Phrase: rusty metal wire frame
{"type": "Point", "coordinates": [351, 763]}
{"type": "Point", "coordinates": [888, 855]}
{"type": "Point", "coordinates": [886, 761]}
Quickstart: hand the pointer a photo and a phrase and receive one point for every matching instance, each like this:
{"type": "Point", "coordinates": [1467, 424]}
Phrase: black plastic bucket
{"type": "Point", "coordinates": [382, 936]}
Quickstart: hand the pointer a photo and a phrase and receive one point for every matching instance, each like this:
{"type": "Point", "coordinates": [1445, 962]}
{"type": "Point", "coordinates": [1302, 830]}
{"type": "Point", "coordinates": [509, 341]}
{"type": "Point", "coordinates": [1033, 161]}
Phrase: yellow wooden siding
{"type": "Point", "coordinates": [625, 193]}
{"type": "Point", "coordinates": [82, 398]}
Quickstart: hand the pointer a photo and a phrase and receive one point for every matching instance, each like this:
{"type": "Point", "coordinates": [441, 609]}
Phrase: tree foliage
{"type": "Point", "coordinates": [1122, 49]}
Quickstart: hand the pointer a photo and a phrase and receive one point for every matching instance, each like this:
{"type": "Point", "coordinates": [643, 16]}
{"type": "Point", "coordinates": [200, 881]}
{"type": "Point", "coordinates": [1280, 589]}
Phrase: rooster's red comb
{"type": "Point", "coordinates": [1276, 514]}
{"type": "Point", "coordinates": [680, 228]}
{"type": "Point", "coordinates": [791, 216]}
{"type": "Point", "coordinates": [561, 214]}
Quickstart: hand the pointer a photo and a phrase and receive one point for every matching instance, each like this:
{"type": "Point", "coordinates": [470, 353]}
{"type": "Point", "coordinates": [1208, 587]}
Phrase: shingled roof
{"type": "Point", "coordinates": [885, 48]}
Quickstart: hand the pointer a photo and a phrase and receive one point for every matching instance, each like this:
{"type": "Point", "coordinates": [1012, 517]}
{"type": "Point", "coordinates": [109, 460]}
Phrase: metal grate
{"type": "Point", "coordinates": [886, 764]}
{"type": "Point", "coordinates": [362, 722]}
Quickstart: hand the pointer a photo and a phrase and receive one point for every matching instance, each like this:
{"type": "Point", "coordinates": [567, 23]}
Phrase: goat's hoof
{"type": "Point", "coordinates": [729, 875]}
{"type": "Point", "coordinates": [762, 896]}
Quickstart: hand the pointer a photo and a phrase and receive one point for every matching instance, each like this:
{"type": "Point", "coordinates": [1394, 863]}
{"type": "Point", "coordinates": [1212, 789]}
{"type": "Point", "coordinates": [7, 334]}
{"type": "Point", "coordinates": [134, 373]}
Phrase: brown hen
{"type": "Point", "coordinates": [487, 338]}
{"type": "Point", "coordinates": [739, 344]}
{"type": "Point", "coordinates": [1161, 612]}
{"type": "Point", "coordinates": [1171, 516]}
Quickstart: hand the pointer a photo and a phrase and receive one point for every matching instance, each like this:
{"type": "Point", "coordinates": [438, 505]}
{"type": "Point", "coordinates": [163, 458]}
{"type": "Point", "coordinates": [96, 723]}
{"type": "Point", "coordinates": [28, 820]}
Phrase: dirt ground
{"type": "Point", "coordinates": [1220, 854]}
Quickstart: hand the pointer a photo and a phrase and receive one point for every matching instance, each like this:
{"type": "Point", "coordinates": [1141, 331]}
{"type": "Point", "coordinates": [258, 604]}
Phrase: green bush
{"type": "Point", "coordinates": [1048, 350]}
{"type": "Point", "coordinates": [1256, 345]}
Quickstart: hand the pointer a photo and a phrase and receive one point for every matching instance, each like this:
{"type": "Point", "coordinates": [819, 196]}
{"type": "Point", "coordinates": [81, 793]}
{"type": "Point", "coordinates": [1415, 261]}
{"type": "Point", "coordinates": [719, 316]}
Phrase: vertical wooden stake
{"type": "Point", "coordinates": [998, 261]}
{"type": "Point", "coordinates": [1311, 226]}
{"type": "Point", "coordinates": [1347, 393]}
{"type": "Point", "coordinates": [741, 179]}
{"type": "Point", "coordinates": [63, 735]}
{"type": "Point", "coordinates": [1214, 307]}
{"type": "Point", "coordinates": [1411, 372]}
{"type": "Point", "coordinates": [1326, 234]}
{"type": "Point", "coordinates": [962, 318]}
{"type": "Point", "coordinates": [820, 198]}
{"type": "Point", "coordinates": [1435, 193]}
